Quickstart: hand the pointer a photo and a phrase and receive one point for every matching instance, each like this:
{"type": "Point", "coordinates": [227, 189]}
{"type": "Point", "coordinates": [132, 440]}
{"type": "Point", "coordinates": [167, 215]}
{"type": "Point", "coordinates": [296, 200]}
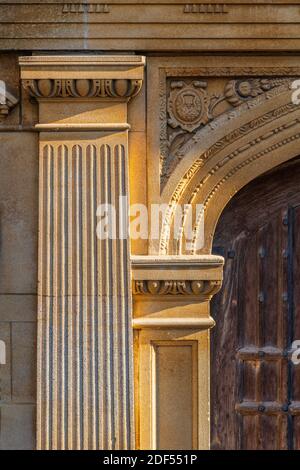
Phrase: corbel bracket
{"type": "Point", "coordinates": [175, 291]}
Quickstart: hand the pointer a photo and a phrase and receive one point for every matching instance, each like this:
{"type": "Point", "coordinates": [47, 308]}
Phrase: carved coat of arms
{"type": "Point", "coordinates": [188, 105]}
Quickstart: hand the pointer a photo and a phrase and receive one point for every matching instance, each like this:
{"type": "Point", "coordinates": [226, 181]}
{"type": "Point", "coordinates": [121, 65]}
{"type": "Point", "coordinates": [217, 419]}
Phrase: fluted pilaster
{"type": "Point", "coordinates": [85, 363]}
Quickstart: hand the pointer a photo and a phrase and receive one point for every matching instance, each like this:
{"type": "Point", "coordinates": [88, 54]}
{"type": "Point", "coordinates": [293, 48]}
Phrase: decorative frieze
{"type": "Point", "coordinates": [173, 292]}
{"type": "Point", "coordinates": [254, 101]}
{"type": "Point", "coordinates": [83, 88]}
{"type": "Point", "coordinates": [203, 289]}
{"type": "Point", "coordinates": [204, 8]}
{"type": "Point", "coordinates": [150, 26]}
{"type": "Point", "coordinates": [86, 8]}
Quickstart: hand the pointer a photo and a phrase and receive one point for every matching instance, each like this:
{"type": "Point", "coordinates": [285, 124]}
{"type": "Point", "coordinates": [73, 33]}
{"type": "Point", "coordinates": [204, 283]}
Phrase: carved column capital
{"type": "Point", "coordinates": [204, 290]}
{"type": "Point", "coordinates": [102, 77]}
{"type": "Point", "coordinates": [174, 291]}
{"type": "Point", "coordinates": [74, 92]}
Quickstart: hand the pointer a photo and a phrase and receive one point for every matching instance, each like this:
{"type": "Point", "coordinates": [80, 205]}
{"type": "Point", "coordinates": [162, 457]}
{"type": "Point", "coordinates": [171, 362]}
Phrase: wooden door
{"type": "Point", "coordinates": [255, 387]}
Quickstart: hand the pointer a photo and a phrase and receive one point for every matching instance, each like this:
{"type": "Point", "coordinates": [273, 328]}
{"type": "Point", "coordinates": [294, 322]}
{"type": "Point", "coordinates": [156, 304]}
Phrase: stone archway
{"type": "Point", "coordinates": [253, 141]}
{"type": "Point", "coordinates": [218, 161]}
{"type": "Point", "coordinates": [171, 289]}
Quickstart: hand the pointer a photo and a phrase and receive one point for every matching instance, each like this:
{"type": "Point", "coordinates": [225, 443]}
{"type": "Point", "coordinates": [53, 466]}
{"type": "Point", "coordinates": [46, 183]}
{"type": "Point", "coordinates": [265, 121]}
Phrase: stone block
{"type": "Point", "coordinates": [18, 212]}
{"type": "Point", "coordinates": [17, 430]}
{"type": "Point", "coordinates": [23, 353]}
{"type": "Point", "coordinates": [18, 308]}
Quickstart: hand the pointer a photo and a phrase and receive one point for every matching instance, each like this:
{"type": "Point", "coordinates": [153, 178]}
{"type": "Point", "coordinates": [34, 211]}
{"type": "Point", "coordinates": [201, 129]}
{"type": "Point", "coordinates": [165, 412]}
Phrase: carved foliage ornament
{"type": "Point", "coordinates": [190, 106]}
{"type": "Point", "coordinates": [86, 8]}
{"type": "Point", "coordinates": [83, 88]}
{"type": "Point", "coordinates": [238, 91]}
{"type": "Point", "coordinates": [204, 289]}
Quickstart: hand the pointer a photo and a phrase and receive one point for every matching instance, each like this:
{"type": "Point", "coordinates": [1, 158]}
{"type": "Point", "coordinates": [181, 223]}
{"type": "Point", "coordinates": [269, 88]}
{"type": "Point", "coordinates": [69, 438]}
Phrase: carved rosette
{"type": "Point", "coordinates": [83, 88]}
{"type": "Point", "coordinates": [238, 91]}
{"type": "Point", "coordinates": [204, 289]}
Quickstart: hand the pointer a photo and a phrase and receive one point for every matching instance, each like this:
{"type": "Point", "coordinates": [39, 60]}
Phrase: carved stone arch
{"type": "Point", "coordinates": [219, 162]}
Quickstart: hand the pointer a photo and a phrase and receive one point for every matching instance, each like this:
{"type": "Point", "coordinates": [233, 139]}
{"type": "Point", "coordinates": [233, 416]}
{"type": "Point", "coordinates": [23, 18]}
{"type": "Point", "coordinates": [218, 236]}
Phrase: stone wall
{"type": "Point", "coordinates": [18, 273]}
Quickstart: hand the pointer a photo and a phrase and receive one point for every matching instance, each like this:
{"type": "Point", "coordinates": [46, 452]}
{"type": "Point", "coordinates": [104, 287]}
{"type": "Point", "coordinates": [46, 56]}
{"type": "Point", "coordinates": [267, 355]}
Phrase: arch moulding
{"type": "Point", "coordinates": [219, 161]}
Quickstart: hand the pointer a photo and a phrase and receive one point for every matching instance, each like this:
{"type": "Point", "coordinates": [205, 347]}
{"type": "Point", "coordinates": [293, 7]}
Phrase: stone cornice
{"type": "Point", "coordinates": [150, 25]}
{"type": "Point", "coordinates": [67, 127]}
{"type": "Point", "coordinates": [81, 60]}
{"type": "Point", "coordinates": [182, 276]}
{"type": "Point", "coordinates": [188, 262]}
{"type": "Point", "coordinates": [187, 267]}
{"type": "Point", "coordinates": [82, 77]}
